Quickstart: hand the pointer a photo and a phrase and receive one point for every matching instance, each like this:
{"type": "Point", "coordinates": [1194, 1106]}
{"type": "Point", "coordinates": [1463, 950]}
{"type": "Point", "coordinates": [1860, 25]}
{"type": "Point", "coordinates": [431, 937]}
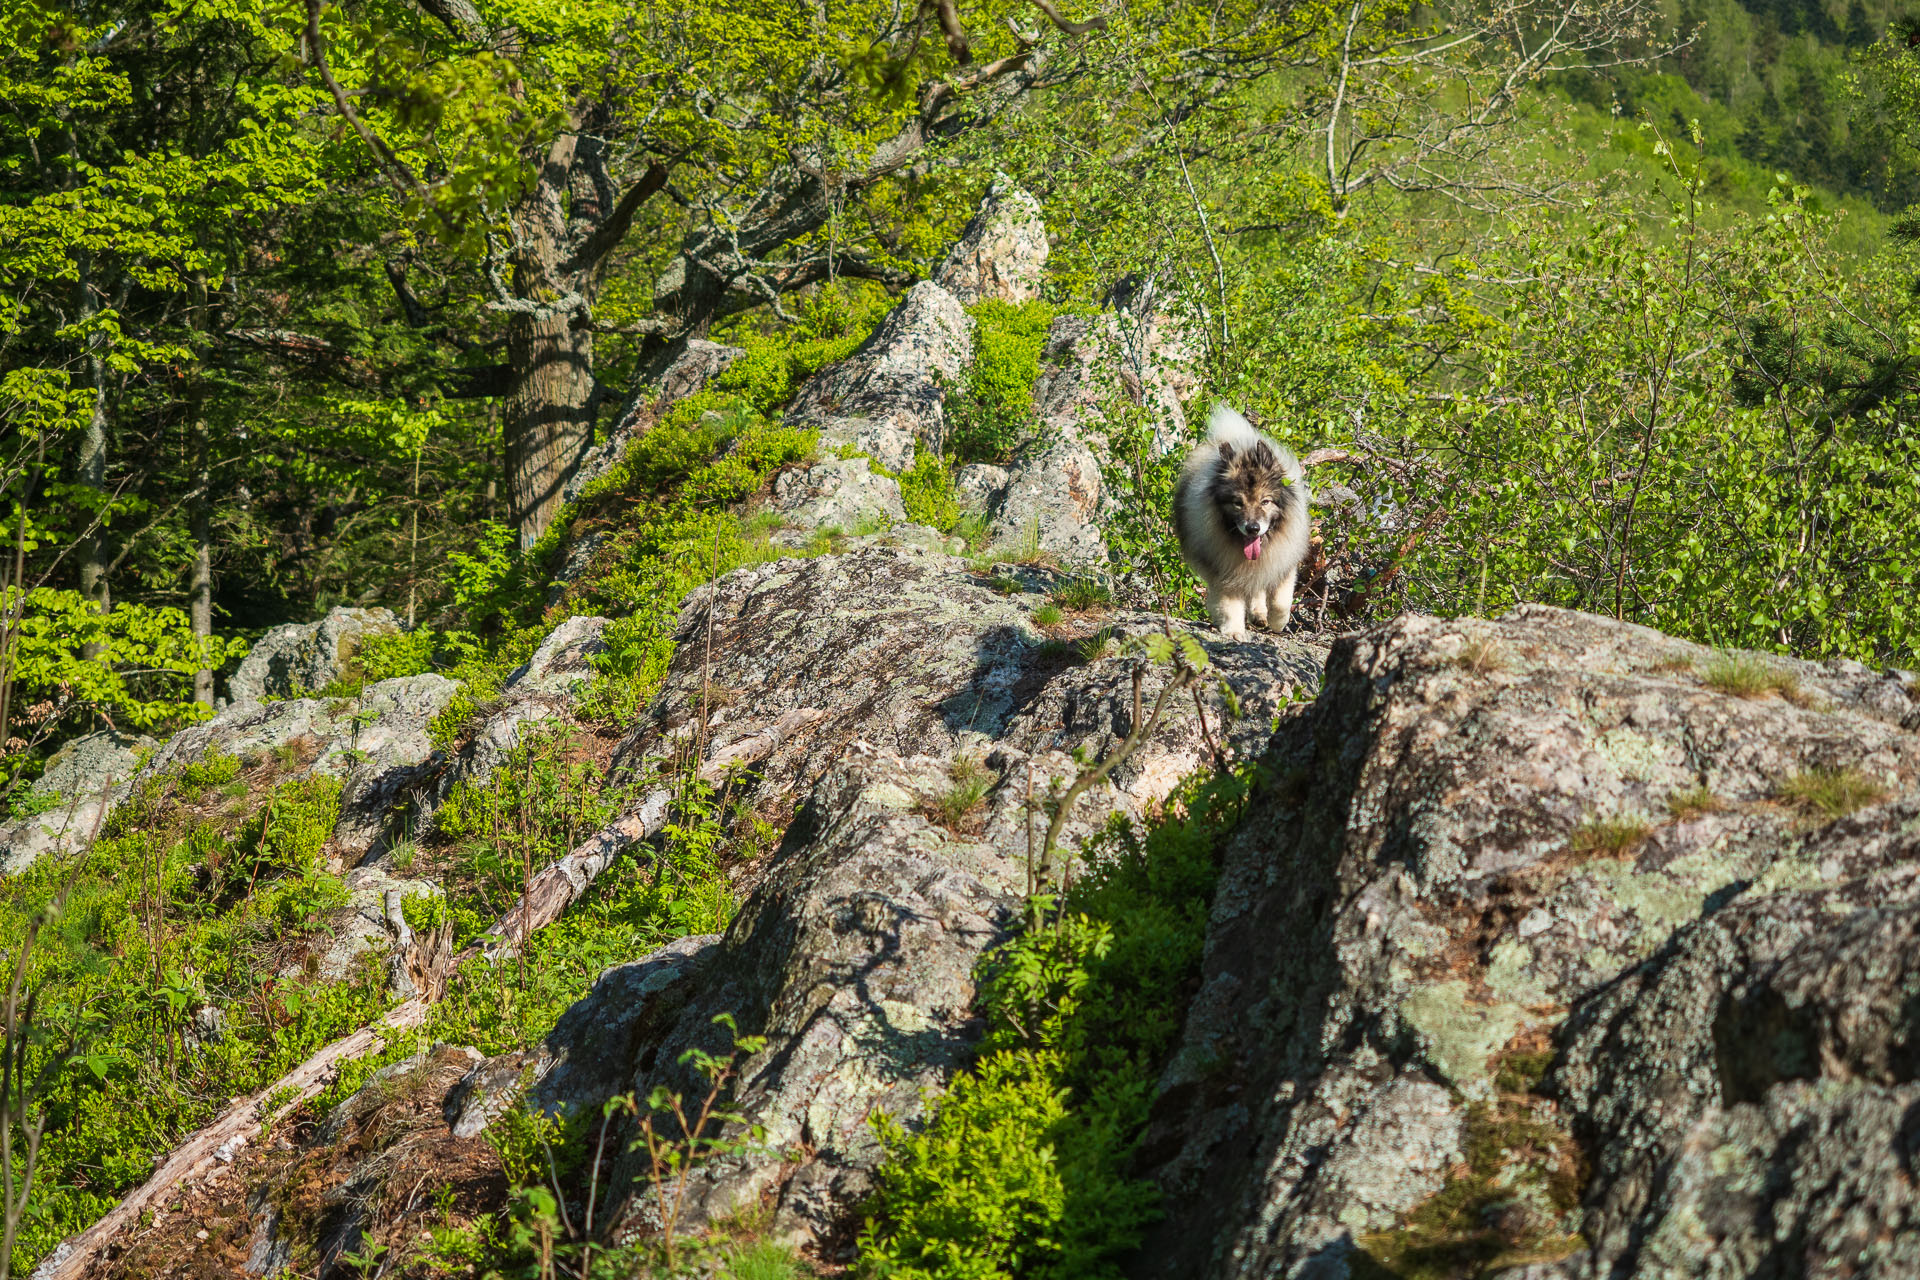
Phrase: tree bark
{"type": "Point", "coordinates": [200, 511]}
{"type": "Point", "coordinates": [549, 418]}
{"type": "Point", "coordinates": [549, 404]}
{"type": "Point", "coordinates": [90, 465]}
{"type": "Point", "coordinates": [200, 584]}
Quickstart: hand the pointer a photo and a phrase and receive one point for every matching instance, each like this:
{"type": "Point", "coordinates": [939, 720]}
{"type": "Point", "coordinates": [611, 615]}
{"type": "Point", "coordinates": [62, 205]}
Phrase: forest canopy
{"type": "Point", "coordinates": [302, 304]}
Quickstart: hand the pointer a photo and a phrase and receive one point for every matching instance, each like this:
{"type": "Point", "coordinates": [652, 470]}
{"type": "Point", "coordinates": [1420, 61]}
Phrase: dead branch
{"type": "Point", "coordinates": [547, 896]}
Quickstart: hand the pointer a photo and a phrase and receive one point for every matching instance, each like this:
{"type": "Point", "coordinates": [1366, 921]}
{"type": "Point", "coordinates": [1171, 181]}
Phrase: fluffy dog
{"type": "Point", "coordinates": [1240, 508]}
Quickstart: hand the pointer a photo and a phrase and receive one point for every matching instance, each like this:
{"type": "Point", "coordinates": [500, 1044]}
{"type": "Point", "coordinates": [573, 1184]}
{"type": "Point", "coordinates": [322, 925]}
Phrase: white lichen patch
{"type": "Point", "coordinates": [1461, 1038]}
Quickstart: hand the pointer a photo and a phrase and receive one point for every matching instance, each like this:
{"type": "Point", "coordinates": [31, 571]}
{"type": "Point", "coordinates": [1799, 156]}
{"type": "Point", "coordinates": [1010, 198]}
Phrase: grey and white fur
{"type": "Point", "coordinates": [1240, 509]}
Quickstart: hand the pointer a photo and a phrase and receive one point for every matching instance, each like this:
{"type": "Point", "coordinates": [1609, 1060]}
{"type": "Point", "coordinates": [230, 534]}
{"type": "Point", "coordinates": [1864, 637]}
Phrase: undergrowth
{"type": "Point", "coordinates": [1023, 1168]}
{"type": "Point", "coordinates": [990, 413]}
{"type": "Point", "coordinates": [183, 972]}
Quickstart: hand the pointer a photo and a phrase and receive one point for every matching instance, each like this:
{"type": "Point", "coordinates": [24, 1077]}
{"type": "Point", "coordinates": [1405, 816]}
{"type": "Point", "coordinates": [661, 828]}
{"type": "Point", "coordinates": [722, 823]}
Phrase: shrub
{"type": "Point", "coordinates": [991, 413]}
{"type": "Point", "coordinates": [1022, 1170]}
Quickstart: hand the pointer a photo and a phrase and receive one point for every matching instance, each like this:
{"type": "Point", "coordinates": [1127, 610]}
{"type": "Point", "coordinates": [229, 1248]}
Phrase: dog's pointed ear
{"type": "Point", "coordinates": [1263, 456]}
{"type": "Point", "coordinates": [1226, 451]}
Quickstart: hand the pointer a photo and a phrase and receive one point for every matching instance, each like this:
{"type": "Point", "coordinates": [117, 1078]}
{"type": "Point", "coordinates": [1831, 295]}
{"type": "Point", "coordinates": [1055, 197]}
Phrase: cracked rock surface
{"type": "Point", "coordinates": [863, 677]}
{"type": "Point", "coordinates": [1556, 841]}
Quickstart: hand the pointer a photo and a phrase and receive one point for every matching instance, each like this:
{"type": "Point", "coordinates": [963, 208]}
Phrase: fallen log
{"type": "Point", "coordinates": [547, 896]}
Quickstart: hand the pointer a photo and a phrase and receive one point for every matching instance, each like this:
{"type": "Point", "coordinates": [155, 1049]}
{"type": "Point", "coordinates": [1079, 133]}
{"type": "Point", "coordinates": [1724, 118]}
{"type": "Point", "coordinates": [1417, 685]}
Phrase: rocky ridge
{"type": "Point", "coordinates": [1550, 948]}
{"type": "Point", "coordinates": [1631, 911]}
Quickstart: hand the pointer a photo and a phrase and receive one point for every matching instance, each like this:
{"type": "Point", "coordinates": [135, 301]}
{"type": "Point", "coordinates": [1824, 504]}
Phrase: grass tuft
{"type": "Point", "coordinates": [1608, 837]}
{"type": "Point", "coordinates": [1693, 803]}
{"type": "Point", "coordinates": [1830, 793]}
{"type": "Point", "coordinates": [1481, 654]}
{"type": "Point", "coordinates": [1048, 615]}
{"type": "Point", "coordinates": [1082, 592]}
{"type": "Point", "coordinates": [971, 780]}
{"type": "Point", "coordinates": [1746, 676]}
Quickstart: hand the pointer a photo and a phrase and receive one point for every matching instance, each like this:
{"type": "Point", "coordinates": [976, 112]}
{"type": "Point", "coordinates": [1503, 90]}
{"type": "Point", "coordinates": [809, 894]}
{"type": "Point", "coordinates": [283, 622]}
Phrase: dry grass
{"type": "Point", "coordinates": [1608, 837]}
{"type": "Point", "coordinates": [1745, 676]}
{"type": "Point", "coordinates": [1693, 803]}
{"type": "Point", "coordinates": [1830, 793]}
{"type": "Point", "coordinates": [1480, 654]}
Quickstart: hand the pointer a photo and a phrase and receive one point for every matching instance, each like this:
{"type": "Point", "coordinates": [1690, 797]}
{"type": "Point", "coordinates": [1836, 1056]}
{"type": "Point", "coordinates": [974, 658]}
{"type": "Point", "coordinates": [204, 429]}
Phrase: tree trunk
{"type": "Point", "coordinates": [90, 466]}
{"type": "Point", "coordinates": [200, 510]}
{"type": "Point", "coordinates": [200, 585]}
{"type": "Point", "coordinates": [549, 404]}
{"type": "Point", "coordinates": [548, 416]}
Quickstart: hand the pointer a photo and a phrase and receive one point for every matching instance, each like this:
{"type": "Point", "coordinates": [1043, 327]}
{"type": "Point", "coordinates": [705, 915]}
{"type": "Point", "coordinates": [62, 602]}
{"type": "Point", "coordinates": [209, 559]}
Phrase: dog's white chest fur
{"type": "Point", "coordinates": [1240, 509]}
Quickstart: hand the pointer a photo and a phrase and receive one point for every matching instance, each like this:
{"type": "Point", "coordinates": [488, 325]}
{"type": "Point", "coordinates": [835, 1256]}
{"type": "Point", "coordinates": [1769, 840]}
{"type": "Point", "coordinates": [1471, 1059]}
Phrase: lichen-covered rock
{"type": "Point", "coordinates": [1051, 502]}
{"type": "Point", "coordinates": [886, 399]}
{"type": "Point", "coordinates": [376, 743]}
{"type": "Point", "coordinates": [696, 366]}
{"type": "Point", "coordinates": [978, 485]}
{"type": "Point", "coordinates": [870, 673]}
{"type": "Point", "coordinates": [837, 493]}
{"type": "Point", "coordinates": [371, 920]}
{"type": "Point", "coordinates": [912, 652]}
{"type": "Point", "coordinates": [589, 1055]}
{"type": "Point", "coordinates": [1751, 1092]}
{"type": "Point", "coordinates": [542, 690]}
{"type": "Point", "coordinates": [1002, 254]}
{"type": "Point", "coordinates": [1092, 362]}
{"type": "Point", "coordinates": [300, 659]}
{"type": "Point", "coordinates": [82, 782]}
{"type": "Point", "coordinates": [1556, 837]}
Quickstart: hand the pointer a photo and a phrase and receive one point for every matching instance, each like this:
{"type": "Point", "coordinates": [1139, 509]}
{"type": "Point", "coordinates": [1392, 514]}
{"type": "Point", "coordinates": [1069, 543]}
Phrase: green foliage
{"type": "Point", "coordinates": [991, 413]}
{"type": "Point", "coordinates": [927, 492]}
{"type": "Point", "coordinates": [391, 655]}
{"type": "Point", "coordinates": [670, 493]}
{"type": "Point", "coordinates": [71, 664]}
{"type": "Point", "coordinates": [201, 891]}
{"type": "Point", "coordinates": [1023, 1169]}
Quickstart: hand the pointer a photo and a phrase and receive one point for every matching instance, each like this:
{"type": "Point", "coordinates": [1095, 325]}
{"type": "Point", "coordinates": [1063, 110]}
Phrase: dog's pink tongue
{"type": "Point", "coordinates": [1253, 549]}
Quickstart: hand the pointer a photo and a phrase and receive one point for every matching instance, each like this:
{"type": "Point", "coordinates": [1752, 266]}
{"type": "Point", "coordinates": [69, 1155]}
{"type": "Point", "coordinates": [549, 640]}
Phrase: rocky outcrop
{"type": "Point", "coordinates": [541, 691]}
{"type": "Point", "coordinates": [838, 493]}
{"type": "Point", "coordinates": [840, 693]}
{"type": "Point", "coordinates": [885, 400]}
{"type": "Point", "coordinates": [376, 743]}
{"type": "Point", "coordinates": [1051, 496]}
{"type": "Point", "coordinates": [1002, 254]}
{"type": "Point", "coordinates": [81, 784]}
{"type": "Point", "coordinates": [300, 659]}
{"type": "Point", "coordinates": [1605, 935]}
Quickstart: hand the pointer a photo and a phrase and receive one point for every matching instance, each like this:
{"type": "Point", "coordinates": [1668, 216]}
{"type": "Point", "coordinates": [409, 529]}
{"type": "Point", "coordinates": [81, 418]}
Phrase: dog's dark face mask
{"type": "Point", "coordinates": [1250, 492]}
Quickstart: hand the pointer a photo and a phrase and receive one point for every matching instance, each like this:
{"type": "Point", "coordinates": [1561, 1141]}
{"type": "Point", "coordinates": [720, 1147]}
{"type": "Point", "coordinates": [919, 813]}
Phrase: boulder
{"type": "Point", "coordinates": [82, 782]}
{"type": "Point", "coordinates": [1002, 254]}
{"type": "Point", "coordinates": [377, 743]}
{"type": "Point", "coordinates": [1545, 916]}
{"type": "Point", "coordinates": [885, 399]}
{"type": "Point", "coordinates": [1050, 498]}
{"type": "Point", "coordinates": [1051, 502]}
{"type": "Point", "coordinates": [839, 493]}
{"type": "Point", "coordinates": [299, 659]}
{"type": "Point", "coordinates": [1091, 362]}
{"type": "Point", "coordinates": [978, 485]}
{"type": "Point", "coordinates": [541, 690]}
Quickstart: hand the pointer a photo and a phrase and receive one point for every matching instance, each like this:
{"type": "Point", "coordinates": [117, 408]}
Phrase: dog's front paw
{"type": "Point", "coordinates": [1236, 633]}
